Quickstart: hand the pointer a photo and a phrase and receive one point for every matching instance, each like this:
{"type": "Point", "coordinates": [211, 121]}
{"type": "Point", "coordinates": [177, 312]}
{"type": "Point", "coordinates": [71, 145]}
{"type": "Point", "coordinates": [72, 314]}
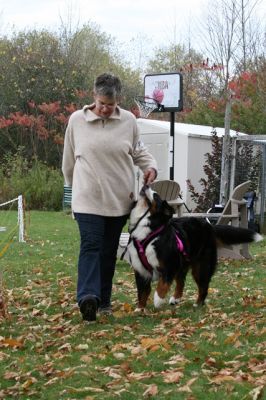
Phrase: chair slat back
{"type": "Point", "coordinates": [167, 190]}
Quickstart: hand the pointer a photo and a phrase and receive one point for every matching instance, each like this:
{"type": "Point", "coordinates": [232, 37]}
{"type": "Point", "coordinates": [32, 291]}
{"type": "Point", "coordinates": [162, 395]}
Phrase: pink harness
{"type": "Point", "coordinates": [141, 246]}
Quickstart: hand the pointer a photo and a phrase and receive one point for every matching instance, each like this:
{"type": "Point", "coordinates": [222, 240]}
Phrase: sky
{"type": "Point", "coordinates": [153, 23]}
{"type": "Point", "coordinates": [160, 21]}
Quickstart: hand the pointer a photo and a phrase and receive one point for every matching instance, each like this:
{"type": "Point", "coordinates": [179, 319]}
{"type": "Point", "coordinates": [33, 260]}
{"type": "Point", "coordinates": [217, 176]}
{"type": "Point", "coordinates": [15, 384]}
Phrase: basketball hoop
{"type": "Point", "coordinates": [146, 105]}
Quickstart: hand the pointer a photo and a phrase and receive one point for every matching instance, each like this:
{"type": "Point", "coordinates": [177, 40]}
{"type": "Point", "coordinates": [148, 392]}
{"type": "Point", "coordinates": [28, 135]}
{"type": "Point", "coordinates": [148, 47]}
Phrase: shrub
{"type": "Point", "coordinates": [40, 185]}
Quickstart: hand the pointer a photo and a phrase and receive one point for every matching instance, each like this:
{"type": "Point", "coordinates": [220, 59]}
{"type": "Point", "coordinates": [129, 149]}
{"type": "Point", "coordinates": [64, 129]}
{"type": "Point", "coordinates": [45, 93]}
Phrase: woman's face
{"type": "Point", "coordinates": [104, 106]}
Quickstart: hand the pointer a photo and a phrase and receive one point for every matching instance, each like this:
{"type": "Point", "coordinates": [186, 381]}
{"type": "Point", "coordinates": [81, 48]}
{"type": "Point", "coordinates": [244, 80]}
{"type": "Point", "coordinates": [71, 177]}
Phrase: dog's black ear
{"type": "Point", "coordinates": [167, 209]}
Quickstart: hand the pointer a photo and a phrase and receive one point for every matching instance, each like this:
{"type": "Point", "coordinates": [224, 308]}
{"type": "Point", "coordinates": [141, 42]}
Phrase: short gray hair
{"type": "Point", "coordinates": [108, 85]}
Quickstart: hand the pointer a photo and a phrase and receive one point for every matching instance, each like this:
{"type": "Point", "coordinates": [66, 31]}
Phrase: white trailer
{"type": "Point", "coordinates": [191, 144]}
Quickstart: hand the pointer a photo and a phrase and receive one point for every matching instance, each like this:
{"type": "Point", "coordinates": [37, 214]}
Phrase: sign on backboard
{"type": "Point", "coordinates": [166, 90]}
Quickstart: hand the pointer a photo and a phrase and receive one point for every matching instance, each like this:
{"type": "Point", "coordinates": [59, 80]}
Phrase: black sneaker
{"type": "Point", "coordinates": [88, 308]}
{"type": "Point", "coordinates": [105, 310]}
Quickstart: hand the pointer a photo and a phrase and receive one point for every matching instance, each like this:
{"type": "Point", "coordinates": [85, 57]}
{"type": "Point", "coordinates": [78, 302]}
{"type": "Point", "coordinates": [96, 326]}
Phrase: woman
{"type": "Point", "coordinates": [101, 147]}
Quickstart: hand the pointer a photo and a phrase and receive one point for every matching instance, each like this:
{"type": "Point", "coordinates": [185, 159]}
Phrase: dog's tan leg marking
{"type": "Point", "coordinates": [178, 293]}
{"type": "Point", "coordinates": [160, 293]}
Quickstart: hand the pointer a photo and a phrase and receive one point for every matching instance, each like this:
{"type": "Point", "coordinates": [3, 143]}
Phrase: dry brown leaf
{"type": "Point", "coordinates": [119, 356]}
{"type": "Point", "coordinates": [137, 350]}
{"type": "Point", "coordinates": [65, 347]}
{"type": "Point", "coordinates": [149, 343]}
{"type": "Point", "coordinates": [84, 346]}
{"type": "Point", "coordinates": [11, 343]}
{"type": "Point", "coordinates": [86, 359]}
{"type": "Point", "coordinates": [152, 390]}
{"type": "Point", "coordinates": [139, 376]}
{"type": "Point", "coordinates": [172, 376]}
{"type": "Point", "coordinates": [3, 356]}
{"type": "Point", "coordinates": [232, 338]}
{"type": "Point", "coordinates": [256, 393]}
{"type": "Point", "coordinates": [127, 308]}
{"type": "Point", "coordinates": [186, 387]}
{"type": "Point", "coordinates": [10, 375]}
{"type": "Point", "coordinates": [84, 389]}
{"type": "Point", "coordinates": [219, 379]}
{"type": "Point", "coordinates": [178, 359]}
{"type": "Point", "coordinates": [28, 383]}
{"type": "Point", "coordinates": [190, 346]}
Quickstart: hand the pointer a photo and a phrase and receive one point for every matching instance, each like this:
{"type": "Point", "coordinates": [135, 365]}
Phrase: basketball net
{"type": "Point", "coordinates": [146, 105]}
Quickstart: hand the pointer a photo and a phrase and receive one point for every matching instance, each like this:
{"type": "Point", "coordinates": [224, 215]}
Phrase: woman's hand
{"type": "Point", "coordinates": [149, 176]}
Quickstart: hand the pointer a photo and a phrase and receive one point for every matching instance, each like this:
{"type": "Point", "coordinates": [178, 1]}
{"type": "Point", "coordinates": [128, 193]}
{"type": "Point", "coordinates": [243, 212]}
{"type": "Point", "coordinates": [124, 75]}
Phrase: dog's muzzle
{"type": "Point", "coordinates": [143, 190]}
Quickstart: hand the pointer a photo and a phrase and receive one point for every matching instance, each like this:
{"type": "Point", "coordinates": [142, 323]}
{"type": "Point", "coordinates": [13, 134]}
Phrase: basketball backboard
{"type": "Point", "coordinates": [166, 90]}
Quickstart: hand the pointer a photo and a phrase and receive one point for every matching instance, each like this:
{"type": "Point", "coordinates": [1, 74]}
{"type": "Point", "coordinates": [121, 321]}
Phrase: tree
{"type": "Point", "coordinates": [41, 66]}
{"type": "Point", "coordinates": [44, 77]}
{"type": "Point", "coordinates": [227, 28]}
{"type": "Point", "coordinates": [177, 58]}
{"type": "Point", "coordinates": [248, 167]}
{"type": "Point", "coordinates": [212, 169]}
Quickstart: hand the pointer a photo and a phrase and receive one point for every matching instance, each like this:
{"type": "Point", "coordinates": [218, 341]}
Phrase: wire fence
{"type": "Point", "coordinates": [249, 163]}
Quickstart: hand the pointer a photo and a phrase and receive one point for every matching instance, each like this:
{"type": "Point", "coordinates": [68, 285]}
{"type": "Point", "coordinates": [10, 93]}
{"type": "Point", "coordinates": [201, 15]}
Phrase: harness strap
{"type": "Point", "coordinates": [132, 230]}
{"type": "Point", "coordinates": [141, 246]}
{"type": "Point", "coordinates": [180, 244]}
{"type": "Point", "coordinates": [142, 256]}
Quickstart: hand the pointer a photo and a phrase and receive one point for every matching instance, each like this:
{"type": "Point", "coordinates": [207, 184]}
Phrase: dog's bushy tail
{"type": "Point", "coordinates": [233, 235]}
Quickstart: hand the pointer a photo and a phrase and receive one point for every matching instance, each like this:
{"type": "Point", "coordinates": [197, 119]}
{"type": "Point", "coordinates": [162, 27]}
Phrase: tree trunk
{"type": "Point", "coordinates": [224, 185]}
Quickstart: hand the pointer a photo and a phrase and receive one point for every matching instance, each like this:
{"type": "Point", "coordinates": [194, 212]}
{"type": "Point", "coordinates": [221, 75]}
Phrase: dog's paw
{"type": "Point", "coordinates": [173, 301]}
{"type": "Point", "coordinates": [139, 310]}
{"type": "Point", "coordinates": [157, 300]}
{"type": "Point", "coordinates": [198, 305]}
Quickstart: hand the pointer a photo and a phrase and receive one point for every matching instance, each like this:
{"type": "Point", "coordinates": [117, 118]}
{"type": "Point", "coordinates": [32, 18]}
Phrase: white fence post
{"type": "Point", "coordinates": [20, 219]}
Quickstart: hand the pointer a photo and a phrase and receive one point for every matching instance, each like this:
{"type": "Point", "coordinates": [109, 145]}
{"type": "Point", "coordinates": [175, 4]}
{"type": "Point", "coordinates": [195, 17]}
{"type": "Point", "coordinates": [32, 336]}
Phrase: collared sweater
{"type": "Point", "coordinates": [98, 161]}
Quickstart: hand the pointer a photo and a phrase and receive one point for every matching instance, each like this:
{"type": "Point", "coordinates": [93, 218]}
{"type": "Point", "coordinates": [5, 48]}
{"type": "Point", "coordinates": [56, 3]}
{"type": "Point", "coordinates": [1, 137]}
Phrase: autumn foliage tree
{"type": "Point", "coordinates": [44, 77]}
{"type": "Point", "coordinates": [40, 132]}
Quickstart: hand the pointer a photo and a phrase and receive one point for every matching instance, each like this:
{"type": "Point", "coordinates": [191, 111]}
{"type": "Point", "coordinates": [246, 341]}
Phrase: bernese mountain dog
{"type": "Point", "coordinates": [162, 248]}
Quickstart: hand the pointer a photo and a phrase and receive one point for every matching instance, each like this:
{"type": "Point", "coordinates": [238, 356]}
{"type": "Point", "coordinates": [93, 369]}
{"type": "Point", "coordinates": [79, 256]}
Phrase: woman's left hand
{"type": "Point", "coordinates": [149, 176]}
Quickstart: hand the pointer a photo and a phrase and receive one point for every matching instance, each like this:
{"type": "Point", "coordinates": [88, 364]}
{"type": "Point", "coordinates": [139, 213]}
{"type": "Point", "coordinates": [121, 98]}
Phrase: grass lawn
{"type": "Point", "coordinates": [47, 352]}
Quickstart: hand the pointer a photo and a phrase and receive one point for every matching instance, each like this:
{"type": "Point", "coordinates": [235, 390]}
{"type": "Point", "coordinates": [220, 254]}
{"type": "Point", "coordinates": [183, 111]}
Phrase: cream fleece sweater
{"type": "Point", "coordinates": [98, 161]}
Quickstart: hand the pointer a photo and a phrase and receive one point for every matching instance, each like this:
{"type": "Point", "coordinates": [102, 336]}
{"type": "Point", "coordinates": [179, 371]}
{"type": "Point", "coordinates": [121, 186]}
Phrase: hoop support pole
{"type": "Point", "coordinates": [172, 133]}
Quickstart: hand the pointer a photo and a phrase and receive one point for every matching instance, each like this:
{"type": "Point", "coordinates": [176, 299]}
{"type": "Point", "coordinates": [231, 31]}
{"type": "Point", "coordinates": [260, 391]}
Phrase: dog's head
{"type": "Point", "coordinates": [149, 200]}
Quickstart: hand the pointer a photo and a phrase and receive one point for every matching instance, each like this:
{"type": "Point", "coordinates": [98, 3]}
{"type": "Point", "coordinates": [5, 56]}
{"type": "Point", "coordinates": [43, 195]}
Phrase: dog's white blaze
{"type": "Point", "coordinates": [151, 255]}
{"type": "Point", "coordinates": [157, 300]}
{"type": "Point", "coordinates": [136, 263]}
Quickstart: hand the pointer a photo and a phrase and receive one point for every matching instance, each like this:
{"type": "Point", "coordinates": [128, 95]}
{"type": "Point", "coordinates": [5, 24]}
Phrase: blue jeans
{"type": "Point", "coordinates": [99, 239]}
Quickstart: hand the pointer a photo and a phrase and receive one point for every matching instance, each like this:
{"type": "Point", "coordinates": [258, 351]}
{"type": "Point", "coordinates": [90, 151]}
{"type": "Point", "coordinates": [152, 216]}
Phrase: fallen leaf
{"type": "Point", "coordinates": [11, 343]}
{"type": "Point", "coordinates": [256, 393]}
{"type": "Point", "coordinates": [86, 359]}
{"type": "Point", "coordinates": [172, 376]}
{"type": "Point", "coordinates": [149, 343]}
{"type": "Point", "coordinates": [82, 347]}
{"type": "Point", "coordinates": [186, 387]}
{"type": "Point", "coordinates": [28, 383]}
{"type": "Point", "coordinates": [152, 390]}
